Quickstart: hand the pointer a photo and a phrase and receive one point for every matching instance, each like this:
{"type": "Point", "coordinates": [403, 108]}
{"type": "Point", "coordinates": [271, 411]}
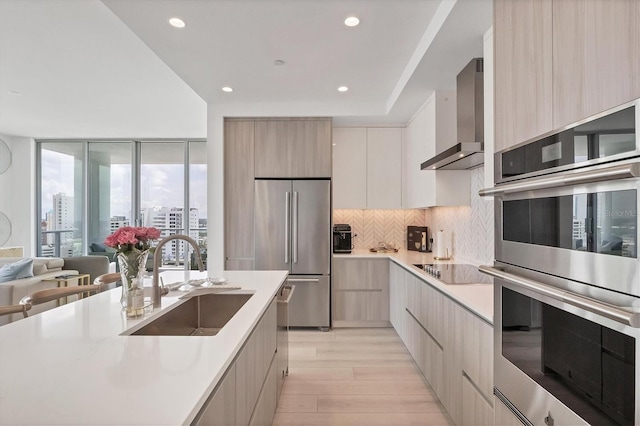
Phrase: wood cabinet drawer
{"type": "Point", "coordinates": [476, 410]}
{"type": "Point", "coordinates": [357, 305]}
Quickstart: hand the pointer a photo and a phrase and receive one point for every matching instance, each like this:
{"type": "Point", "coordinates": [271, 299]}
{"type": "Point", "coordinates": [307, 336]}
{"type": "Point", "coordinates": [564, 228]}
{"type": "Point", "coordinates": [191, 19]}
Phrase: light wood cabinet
{"type": "Point", "coordinates": [432, 361]}
{"type": "Point", "coordinates": [384, 168]}
{"type": "Point", "coordinates": [247, 394]}
{"type": "Point", "coordinates": [431, 309]}
{"type": "Point", "coordinates": [360, 292]}
{"type": "Point", "coordinates": [477, 359]}
{"type": "Point", "coordinates": [596, 57]}
{"type": "Point", "coordinates": [311, 149]}
{"type": "Point", "coordinates": [350, 168]}
{"type": "Point", "coordinates": [398, 299]}
{"type": "Point", "coordinates": [253, 364]}
{"type": "Point", "coordinates": [453, 318]}
{"type": "Point", "coordinates": [293, 148]}
{"type": "Point", "coordinates": [413, 340]}
{"type": "Point", "coordinates": [432, 130]}
{"type": "Point", "coordinates": [238, 194]}
{"type": "Point", "coordinates": [523, 70]}
{"type": "Point", "coordinates": [476, 410]}
{"type": "Point", "coordinates": [560, 61]}
{"type": "Point", "coordinates": [221, 408]}
{"type": "Point", "coordinates": [449, 344]}
{"type": "Point", "coordinates": [267, 401]}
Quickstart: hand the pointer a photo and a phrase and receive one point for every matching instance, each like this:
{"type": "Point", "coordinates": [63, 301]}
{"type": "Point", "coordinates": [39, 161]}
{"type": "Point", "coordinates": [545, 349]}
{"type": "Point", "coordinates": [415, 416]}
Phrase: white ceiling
{"type": "Point", "coordinates": [117, 69]}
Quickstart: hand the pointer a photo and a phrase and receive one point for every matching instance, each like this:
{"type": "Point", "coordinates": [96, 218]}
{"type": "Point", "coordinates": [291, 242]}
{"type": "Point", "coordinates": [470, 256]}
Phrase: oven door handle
{"type": "Point", "coordinates": [612, 312]}
{"type": "Point", "coordinates": [630, 170]}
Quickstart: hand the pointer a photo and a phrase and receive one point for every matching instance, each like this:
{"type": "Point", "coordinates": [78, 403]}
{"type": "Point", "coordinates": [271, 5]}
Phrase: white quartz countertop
{"type": "Point", "coordinates": [477, 298]}
{"type": "Point", "coordinates": [71, 365]}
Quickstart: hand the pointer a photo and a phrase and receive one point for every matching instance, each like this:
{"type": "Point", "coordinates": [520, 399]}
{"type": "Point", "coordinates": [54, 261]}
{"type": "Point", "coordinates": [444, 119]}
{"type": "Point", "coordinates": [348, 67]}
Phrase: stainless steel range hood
{"type": "Point", "coordinates": [469, 151]}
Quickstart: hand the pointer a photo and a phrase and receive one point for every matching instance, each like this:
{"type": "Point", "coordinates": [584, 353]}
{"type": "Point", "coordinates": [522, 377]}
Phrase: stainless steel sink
{"type": "Point", "coordinates": [203, 315]}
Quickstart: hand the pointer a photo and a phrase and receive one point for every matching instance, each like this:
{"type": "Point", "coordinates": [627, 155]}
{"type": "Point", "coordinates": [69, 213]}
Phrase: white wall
{"type": "Point", "coordinates": [215, 190]}
{"type": "Point", "coordinates": [17, 193]}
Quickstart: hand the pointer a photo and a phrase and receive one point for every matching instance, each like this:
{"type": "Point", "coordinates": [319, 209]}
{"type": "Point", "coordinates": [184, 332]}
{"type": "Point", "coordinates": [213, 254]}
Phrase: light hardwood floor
{"type": "Point", "coordinates": [355, 377]}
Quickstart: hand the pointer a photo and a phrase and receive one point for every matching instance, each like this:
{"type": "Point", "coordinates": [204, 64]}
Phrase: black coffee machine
{"type": "Point", "coordinates": [342, 238]}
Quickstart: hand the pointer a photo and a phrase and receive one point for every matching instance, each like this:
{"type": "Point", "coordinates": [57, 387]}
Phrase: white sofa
{"type": "Point", "coordinates": [44, 269]}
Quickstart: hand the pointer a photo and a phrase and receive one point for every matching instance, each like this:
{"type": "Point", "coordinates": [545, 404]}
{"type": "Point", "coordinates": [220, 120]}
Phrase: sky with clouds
{"type": "Point", "coordinates": [162, 184]}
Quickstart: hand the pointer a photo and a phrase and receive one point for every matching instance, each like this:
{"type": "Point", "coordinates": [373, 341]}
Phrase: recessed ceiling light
{"type": "Point", "coordinates": [433, 167]}
{"type": "Point", "coordinates": [227, 89]}
{"type": "Point", "coordinates": [351, 21]}
{"type": "Point", "coordinates": [461, 155]}
{"type": "Point", "coordinates": [343, 89]}
{"type": "Point", "coordinates": [177, 22]}
{"type": "Point", "coordinates": [278, 62]}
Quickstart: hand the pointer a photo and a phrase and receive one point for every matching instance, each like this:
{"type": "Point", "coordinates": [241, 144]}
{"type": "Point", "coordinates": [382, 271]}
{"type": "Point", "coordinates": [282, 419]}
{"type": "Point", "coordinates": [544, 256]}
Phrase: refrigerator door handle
{"type": "Point", "coordinates": [287, 209]}
{"type": "Point", "coordinates": [295, 227]}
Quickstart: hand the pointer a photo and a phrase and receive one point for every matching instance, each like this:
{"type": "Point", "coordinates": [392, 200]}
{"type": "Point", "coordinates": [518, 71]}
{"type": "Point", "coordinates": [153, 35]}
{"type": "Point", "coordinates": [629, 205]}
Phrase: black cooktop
{"type": "Point", "coordinates": [455, 273]}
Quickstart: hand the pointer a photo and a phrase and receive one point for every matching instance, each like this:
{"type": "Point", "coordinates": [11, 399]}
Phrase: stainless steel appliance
{"type": "Point", "coordinates": [454, 273]}
{"type": "Point", "coordinates": [567, 274]}
{"type": "Point", "coordinates": [418, 238]}
{"type": "Point", "coordinates": [342, 238]}
{"type": "Point", "coordinates": [469, 151]}
{"type": "Point", "coordinates": [293, 232]}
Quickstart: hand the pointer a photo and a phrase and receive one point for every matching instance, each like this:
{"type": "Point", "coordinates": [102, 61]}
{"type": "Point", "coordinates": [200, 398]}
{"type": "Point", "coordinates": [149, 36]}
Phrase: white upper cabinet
{"type": "Point", "coordinates": [349, 168]}
{"type": "Point", "coordinates": [432, 130]}
{"type": "Point", "coordinates": [384, 168]}
{"type": "Point", "coordinates": [367, 168]}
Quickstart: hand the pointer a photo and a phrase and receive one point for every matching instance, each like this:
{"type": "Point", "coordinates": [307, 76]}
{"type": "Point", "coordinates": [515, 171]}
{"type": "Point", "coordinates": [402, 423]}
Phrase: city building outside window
{"type": "Point", "coordinates": [88, 189]}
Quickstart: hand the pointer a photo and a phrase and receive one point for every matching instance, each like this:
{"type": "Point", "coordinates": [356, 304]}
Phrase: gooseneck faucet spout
{"type": "Point", "coordinates": [157, 259]}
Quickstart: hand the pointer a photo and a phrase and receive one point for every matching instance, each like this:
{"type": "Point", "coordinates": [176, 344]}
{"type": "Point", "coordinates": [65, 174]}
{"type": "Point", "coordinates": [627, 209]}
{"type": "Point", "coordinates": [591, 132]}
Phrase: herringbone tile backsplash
{"type": "Point", "coordinates": [373, 226]}
{"type": "Point", "coordinates": [468, 229]}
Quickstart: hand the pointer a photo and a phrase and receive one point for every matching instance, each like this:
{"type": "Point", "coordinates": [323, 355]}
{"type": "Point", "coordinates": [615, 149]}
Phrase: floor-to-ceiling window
{"type": "Point", "coordinates": [162, 192]}
{"type": "Point", "coordinates": [87, 189]}
{"type": "Point", "coordinates": [109, 190]}
{"type": "Point", "coordinates": [62, 188]}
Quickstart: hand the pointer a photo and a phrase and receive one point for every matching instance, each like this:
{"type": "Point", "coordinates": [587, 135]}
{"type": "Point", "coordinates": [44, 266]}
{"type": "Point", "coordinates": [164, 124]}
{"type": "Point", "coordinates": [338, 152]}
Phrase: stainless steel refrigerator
{"type": "Point", "coordinates": [293, 232]}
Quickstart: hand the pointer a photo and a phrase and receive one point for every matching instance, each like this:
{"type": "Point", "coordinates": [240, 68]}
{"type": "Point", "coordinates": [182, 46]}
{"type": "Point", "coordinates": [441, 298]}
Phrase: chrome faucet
{"type": "Point", "coordinates": [157, 258]}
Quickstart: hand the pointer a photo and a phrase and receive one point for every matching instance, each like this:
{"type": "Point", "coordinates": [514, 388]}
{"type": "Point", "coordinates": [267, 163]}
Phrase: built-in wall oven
{"type": "Point", "coordinates": [567, 274]}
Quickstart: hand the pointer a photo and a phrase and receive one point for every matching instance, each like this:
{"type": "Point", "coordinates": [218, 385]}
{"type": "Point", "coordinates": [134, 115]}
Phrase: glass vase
{"type": "Point", "coordinates": [132, 266]}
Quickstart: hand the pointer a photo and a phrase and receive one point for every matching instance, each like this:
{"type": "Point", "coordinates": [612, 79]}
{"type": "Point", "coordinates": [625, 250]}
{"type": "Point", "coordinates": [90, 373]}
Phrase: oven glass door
{"type": "Point", "coordinates": [586, 233]}
{"type": "Point", "coordinates": [607, 138]}
{"type": "Point", "coordinates": [597, 222]}
{"type": "Point", "coordinates": [588, 367]}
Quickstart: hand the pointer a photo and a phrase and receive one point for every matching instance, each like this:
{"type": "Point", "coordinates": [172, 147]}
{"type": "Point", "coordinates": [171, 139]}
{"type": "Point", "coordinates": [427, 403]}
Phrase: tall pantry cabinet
{"type": "Point", "coordinates": [238, 194]}
{"type": "Point", "coordinates": [561, 61]}
{"type": "Point", "coordinates": [266, 148]}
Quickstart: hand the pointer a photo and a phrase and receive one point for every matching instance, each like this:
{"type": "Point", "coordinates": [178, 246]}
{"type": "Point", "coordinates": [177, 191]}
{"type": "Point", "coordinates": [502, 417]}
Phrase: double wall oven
{"type": "Point", "coordinates": [567, 274]}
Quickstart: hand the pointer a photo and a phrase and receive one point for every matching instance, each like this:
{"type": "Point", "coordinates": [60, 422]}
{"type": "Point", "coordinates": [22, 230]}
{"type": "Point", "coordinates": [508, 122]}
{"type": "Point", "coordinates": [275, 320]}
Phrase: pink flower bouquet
{"type": "Point", "coordinates": [130, 238]}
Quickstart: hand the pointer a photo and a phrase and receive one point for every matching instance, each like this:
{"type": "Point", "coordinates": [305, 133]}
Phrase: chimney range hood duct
{"type": "Point", "coordinates": [469, 152]}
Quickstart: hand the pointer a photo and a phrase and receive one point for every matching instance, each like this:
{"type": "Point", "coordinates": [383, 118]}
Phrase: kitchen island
{"type": "Point", "coordinates": [76, 364]}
